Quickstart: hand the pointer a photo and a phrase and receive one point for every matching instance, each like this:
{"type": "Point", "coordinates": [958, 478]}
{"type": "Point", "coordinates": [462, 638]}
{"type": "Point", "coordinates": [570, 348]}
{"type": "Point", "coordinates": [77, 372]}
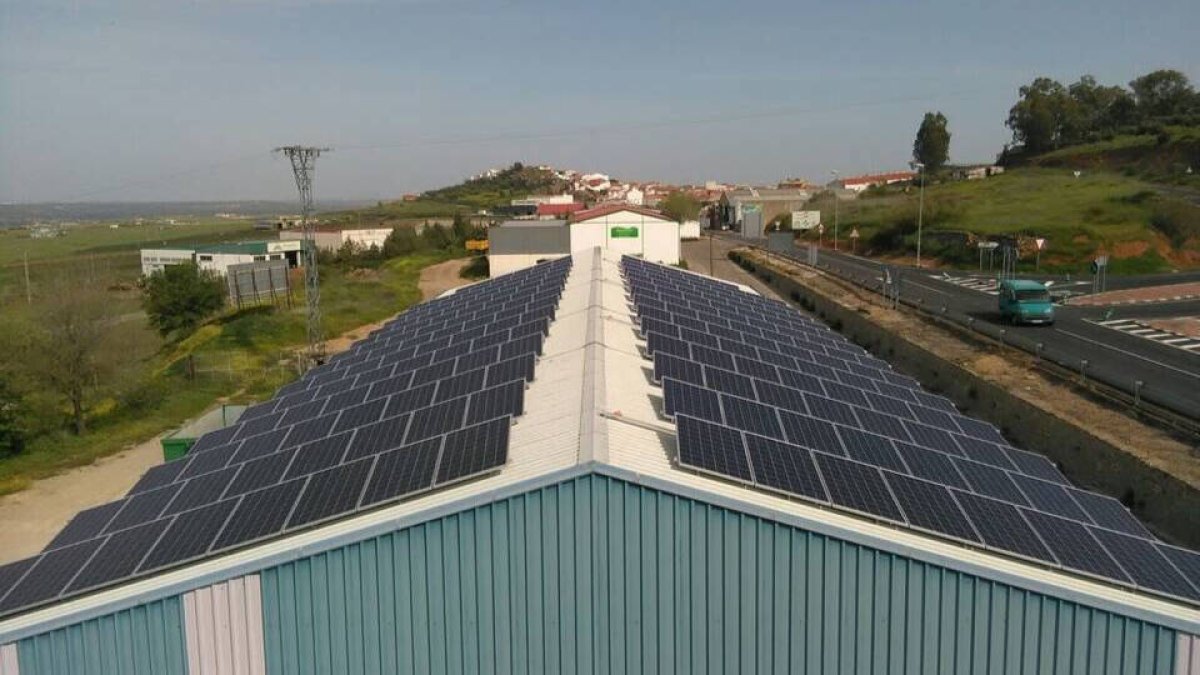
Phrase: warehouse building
{"type": "Point", "coordinates": [618, 228]}
{"type": "Point", "coordinates": [332, 239]}
{"type": "Point", "coordinates": [599, 464]}
{"type": "Point", "coordinates": [218, 257]}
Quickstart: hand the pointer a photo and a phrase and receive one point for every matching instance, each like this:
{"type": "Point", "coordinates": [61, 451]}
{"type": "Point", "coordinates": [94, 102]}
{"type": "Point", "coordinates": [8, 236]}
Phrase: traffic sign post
{"type": "Point", "coordinates": [1041, 244]}
{"type": "Point", "coordinates": [854, 240]}
{"type": "Point", "coordinates": [1099, 273]}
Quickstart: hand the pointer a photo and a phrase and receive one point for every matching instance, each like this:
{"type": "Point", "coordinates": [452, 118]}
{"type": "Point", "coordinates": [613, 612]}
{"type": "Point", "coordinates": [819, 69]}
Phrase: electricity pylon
{"type": "Point", "coordinates": [304, 160]}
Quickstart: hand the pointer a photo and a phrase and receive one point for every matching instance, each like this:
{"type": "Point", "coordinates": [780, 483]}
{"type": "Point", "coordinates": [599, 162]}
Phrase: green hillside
{"type": "Point", "coordinates": [1143, 229]}
{"type": "Point", "coordinates": [470, 196]}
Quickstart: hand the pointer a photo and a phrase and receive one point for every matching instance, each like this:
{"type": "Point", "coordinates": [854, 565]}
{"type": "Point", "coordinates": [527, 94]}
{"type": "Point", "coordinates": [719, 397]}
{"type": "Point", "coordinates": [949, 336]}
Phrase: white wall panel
{"type": "Point", "coordinates": [223, 623]}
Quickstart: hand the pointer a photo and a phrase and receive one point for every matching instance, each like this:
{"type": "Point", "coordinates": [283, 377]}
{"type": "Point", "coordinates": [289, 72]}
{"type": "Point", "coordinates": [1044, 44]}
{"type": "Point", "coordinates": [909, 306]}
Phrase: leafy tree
{"type": "Point", "coordinates": [1044, 117]}
{"type": "Point", "coordinates": [461, 229]}
{"type": "Point", "coordinates": [1163, 93]}
{"type": "Point", "coordinates": [12, 416]}
{"type": "Point", "coordinates": [180, 297]}
{"type": "Point", "coordinates": [436, 237]}
{"type": "Point", "coordinates": [932, 147]}
{"type": "Point", "coordinates": [402, 241]}
{"type": "Point", "coordinates": [68, 351]}
{"type": "Point", "coordinates": [1101, 109]}
{"type": "Point", "coordinates": [680, 207]}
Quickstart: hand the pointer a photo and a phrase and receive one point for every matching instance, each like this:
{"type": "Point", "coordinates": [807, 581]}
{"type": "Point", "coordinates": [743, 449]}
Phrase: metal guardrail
{"type": "Point", "coordinates": [1145, 402]}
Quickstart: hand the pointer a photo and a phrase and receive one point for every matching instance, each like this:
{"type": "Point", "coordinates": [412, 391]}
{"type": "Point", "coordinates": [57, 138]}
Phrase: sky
{"type": "Point", "coordinates": [163, 100]}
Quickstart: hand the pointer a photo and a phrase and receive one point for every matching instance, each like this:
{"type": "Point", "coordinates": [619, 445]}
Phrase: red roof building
{"type": "Point", "coordinates": [558, 210]}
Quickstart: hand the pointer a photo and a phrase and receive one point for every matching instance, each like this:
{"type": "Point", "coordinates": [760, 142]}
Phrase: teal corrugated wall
{"type": "Point", "coordinates": [598, 575]}
{"type": "Point", "coordinates": [141, 640]}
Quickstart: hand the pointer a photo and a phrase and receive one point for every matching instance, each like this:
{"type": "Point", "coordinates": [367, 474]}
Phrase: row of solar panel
{"type": "Point", "coordinates": [726, 352]}
{"type": "Point", "coordinates": [782, 386]}
{"type": "Point", "coordinates": [289, 453]}
{"type": "Point", "coordinates": [887, 494]}
{"type": "Point", "coordinates": [239, 520]}
{"type": "Point", "coordinates": [1045, 490]}
{"type": "Point", "coordinates": [851, 469]}
{"type": "Point", "coordinates": [286, 467]}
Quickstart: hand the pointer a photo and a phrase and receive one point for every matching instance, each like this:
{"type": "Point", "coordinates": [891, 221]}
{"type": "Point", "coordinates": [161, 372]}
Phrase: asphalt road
{"type": "Point", "coordinates": [1170, 376]}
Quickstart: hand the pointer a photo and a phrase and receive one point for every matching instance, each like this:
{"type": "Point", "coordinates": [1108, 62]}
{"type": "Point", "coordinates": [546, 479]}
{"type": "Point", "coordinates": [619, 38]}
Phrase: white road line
{"type": "Point", "coordinates": [1175, 341]}
{"type": "Point", "coordinates": [1141, 331]}
{"type": "Point", "coordinates": [1191, 347]}
{"type": "Point", "coordinates": [1192, 374]}
{"type": "Point", "coordinates": [1116, 322]}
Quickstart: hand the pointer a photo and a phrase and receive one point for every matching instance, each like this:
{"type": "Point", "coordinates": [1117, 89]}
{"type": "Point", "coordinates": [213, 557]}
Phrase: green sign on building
{"type": "Point", "coordinates": [624, 232]}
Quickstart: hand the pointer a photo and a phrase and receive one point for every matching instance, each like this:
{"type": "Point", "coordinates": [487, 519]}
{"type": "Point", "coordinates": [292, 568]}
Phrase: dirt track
{"type": "Point", "coordinates": [29, 519]}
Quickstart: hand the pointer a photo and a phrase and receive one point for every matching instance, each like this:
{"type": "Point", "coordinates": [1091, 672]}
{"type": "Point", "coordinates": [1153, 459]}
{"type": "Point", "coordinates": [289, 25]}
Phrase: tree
{"type": "Point", "coordinates": [402, 241]}
{"type": "Point", "coordinates": [1044, 117]}
{"type": "Point", "coordinates": [68, 347]}
{"type": "Point", "coordinates": [12, 416]}
{"type": "Point", "coordinates": [180, 297]}
{"type": "Point", "coordinates": [436, 237]}
{"type": "Point", "coordinates": [1101, 109]}
{"type": "Point", "coordinates": [680, 207]}
{"type": "Point", "coordinates": [1163, 93]}
{"type": "Point", "coordinates": [461, 229]}
{"type": "Point", "coordinates": [932, 147]}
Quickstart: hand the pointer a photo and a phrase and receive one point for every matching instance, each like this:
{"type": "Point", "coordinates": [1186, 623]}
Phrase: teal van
{"type": "Point", "coordinates": [1024, 301]}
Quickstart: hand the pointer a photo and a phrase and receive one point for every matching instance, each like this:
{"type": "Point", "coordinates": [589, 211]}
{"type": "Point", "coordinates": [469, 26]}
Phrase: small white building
{"type": "Point", "coordinates": [218, 257]}
{"type": "Point", "coordinates": [620, 228]}
{"type": "Point", "coordinates": [155, 259]}
{"type": "Point", "coordinates": [329, 239]}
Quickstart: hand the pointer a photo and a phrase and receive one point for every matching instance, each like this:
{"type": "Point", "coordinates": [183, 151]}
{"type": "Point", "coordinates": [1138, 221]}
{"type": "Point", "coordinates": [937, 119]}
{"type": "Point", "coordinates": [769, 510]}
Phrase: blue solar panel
{"type": "Point", "coordinates": [387, 408]}
{"type": "Point", "coordinates": [943, 472]}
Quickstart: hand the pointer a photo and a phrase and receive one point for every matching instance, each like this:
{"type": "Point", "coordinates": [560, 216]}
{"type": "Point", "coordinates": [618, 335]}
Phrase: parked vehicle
{"type": "Point", "coordinates": [1023, 301]}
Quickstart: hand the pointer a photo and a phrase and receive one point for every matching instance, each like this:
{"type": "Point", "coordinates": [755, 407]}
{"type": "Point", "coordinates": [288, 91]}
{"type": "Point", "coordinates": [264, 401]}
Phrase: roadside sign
{"type": "Point", "coordinates": [1041, 243]}
{"type": "Point", "coordinates": [805, 220]}
{"type": "Point", "coordinates": [989, 245]}
{"type": "Point", "coordinates": [1101, 260]}
{"type": "Point", "coordinates": [820, 229]}
{"type": "Point", "coordinates": [854, 233]}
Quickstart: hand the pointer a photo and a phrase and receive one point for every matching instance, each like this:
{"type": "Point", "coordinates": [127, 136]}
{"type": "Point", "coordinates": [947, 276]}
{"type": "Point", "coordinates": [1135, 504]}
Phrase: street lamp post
{"type": "Point", "coordinates": [836, 219]}
{"type": "Point", "coordinates": [920, 168]}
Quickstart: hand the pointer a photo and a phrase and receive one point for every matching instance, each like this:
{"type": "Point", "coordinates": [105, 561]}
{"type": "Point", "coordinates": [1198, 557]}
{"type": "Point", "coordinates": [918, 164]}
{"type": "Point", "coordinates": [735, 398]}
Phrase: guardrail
{"type": "Point", "coordinates": [1145, 403]}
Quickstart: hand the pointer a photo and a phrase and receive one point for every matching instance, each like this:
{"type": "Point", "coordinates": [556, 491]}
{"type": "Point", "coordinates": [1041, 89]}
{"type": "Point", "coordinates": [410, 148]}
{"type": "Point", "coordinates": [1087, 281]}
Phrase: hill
{"type": "Point", "coordinates": [470, 196]}
{"type": "Point", "coordinates": [1140, 226]}
{"type": "Point", "coordinates": [1165, 156]}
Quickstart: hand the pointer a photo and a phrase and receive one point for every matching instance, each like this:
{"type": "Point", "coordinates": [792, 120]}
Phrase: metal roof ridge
{"type": "Point", "coordinates": [593, 434]}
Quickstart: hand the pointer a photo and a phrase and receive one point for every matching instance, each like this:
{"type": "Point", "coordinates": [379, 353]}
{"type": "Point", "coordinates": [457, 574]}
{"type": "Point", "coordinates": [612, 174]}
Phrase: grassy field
{"type": "Point", "coordinates": [1079, 216]}
{"type": "Point", "coordinates": [238, 357]}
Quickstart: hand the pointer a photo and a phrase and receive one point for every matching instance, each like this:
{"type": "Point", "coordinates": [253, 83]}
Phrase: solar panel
{"type": "Point", "coordinates": [308, 455]}
{"type": "Point", "coordinates": [943, 472]}
{"type": "Point", "coordinates": [712, 447]}
{"type": "Point", "coordinates": [784, 467]}
{"type": "Point", "coordinates": [403, 471]}
{"type": "Point", "coordinates": [931, 506]}
{"type": "Point", "coordinates": [858, 487]}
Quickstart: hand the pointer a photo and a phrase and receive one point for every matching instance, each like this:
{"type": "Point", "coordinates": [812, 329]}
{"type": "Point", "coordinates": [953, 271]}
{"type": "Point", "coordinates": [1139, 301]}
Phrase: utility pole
{"type": "Point", "coordinates": [28, 291]}
{"type": "Point", "coordinates": [304, 159]}
{"type": "Point", "coordinates": [921, 207]}
{"type": "Point", "coordinates": [836, 219]}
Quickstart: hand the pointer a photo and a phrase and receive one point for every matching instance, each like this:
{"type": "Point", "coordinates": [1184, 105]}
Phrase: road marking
{"type": "Point", "coordinates": [1140, 329]}
{"type": "Point", "coordinates": [1105, 345]}
{"type": "Point", "coordinates": [974, 283]}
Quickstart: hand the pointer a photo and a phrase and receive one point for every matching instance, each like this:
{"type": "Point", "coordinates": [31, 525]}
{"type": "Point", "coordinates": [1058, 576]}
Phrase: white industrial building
{"type": "Point", "coordinates": [620, 228]}
{"type": "Point", "coordinates": [218, 257]}
{"type": "Point", "coordinates": [330, 239]}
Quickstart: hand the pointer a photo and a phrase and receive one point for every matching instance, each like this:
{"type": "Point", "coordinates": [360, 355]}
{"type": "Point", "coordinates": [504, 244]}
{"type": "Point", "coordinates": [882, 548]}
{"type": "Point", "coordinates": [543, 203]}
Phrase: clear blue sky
{"type": "Point", "coordinates": [108, 100]}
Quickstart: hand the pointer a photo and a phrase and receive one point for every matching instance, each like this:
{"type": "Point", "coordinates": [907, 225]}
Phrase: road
{"type": "Point", "coordinates": [1170, 376]}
